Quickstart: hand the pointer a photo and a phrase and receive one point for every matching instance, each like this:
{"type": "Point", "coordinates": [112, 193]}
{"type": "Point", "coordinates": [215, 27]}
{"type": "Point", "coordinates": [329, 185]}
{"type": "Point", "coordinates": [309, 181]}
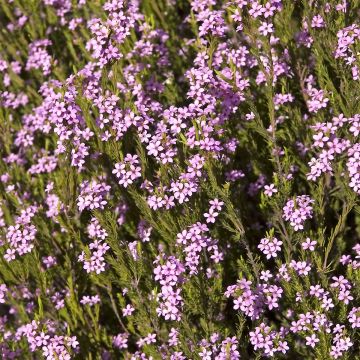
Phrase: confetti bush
{"type": "Point", "coordinates": [179, 179]}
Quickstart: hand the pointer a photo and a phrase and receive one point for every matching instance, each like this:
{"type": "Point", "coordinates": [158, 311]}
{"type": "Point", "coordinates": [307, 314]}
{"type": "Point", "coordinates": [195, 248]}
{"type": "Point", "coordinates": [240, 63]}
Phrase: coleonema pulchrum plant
{"type": "Point", "coordinates": [179, 179]}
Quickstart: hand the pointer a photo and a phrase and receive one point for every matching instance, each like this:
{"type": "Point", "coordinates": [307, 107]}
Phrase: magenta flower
{"type": "Point", "coordinates": [311, 340]}
{"type": "Point", "coordinates": [270, 190]}
{"type": "Point", "coordinates": [128, 310]}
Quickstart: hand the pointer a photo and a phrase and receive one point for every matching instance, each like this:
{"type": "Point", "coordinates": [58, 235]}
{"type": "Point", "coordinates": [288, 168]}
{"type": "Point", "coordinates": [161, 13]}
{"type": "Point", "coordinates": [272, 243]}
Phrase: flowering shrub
{"type": "Point", "coordinates": [179, 179]}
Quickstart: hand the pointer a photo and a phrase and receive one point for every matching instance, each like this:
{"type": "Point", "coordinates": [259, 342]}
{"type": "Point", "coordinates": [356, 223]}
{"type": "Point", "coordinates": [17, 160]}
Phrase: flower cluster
{"type": "Point", "coordinates": [347, 39]}
{"type": "Point", "coordinates": [94, 257]}
{"type": "Point", "coordinates": [51, 345]}
{"type": "Point", "coordinates": [253, 302]}
{"type": "Point", "coordinates": [270, 247]}
{"type": "Point", "coordinates": [333, 144]}
{"type": "Point", "coordinates": [39, 57]}
{"type": "Point", "coordinates": [21, 236]}
{"type": "Point", "coordinates": [169, 275]}
{"type": "Point", "coordinates": [298, 210]}
{"type": "Point", "coordinates": [128, 170]}
{"type": "Point", "coordinates": [92, 195]}
{"type": "Point", "coordinates": [90, 300]}
{"type": "Point", "coordinates": [193, 241]}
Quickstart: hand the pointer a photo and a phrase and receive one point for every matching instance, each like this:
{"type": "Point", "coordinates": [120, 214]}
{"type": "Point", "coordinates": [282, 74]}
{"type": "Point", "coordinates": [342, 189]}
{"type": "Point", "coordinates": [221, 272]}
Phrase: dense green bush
{"type": "Point", "coordinates": [179, 179]}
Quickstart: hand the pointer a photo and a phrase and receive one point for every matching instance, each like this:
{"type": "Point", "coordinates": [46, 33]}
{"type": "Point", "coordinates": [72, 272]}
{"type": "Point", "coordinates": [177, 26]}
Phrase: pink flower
{"type": "Point", "coordinates": [270, 190]}
{"type": "Point", "coordinates": [311, 340]}
{"type": "Point", "coordinates": [266, 28]}
{"type": "Point", "coordinates": [128, 310]}
{"type": "Point", "coordinates": [308, 244]}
